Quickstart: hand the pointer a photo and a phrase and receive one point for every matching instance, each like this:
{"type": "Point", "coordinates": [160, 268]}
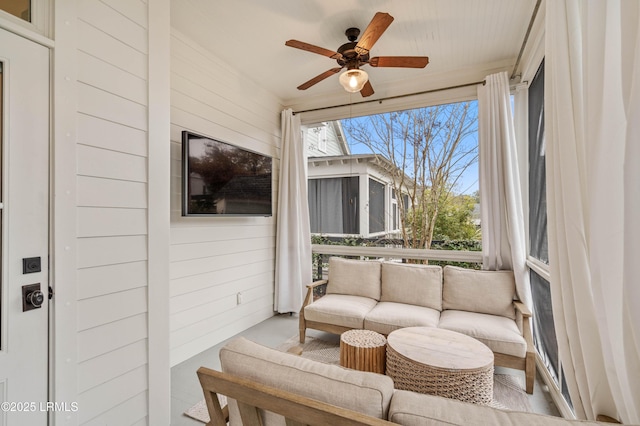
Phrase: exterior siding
{"type": "Point", "coordinates": [111, 158]}
{"type": "Point", "coordinates": [213, 259]}
{"type": "Point", "coordinates": [334, 145]}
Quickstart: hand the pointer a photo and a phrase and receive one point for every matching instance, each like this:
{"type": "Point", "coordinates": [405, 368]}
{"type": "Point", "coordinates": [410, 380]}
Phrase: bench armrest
{"type": "Point", "coordinates": [252, 395]}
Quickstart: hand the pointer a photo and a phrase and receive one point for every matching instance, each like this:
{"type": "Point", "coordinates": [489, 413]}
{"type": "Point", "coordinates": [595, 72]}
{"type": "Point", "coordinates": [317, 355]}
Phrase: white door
{"type": "Point", "coordinates": [24, 230]}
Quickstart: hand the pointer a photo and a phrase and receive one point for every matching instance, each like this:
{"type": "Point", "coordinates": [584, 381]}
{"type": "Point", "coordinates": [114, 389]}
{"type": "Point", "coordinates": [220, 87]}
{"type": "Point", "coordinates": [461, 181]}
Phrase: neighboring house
{"type": "Point", "coordinates": [349, 195]}
{"type": "Point", "coordinates": [352, 195]}
{"type": "Point", "coordinates": [336, 181]}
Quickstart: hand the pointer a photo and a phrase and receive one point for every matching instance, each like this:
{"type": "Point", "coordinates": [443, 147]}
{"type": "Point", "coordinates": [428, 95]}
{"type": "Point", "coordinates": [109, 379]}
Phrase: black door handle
{"type": "Point", "coordinates": [32, 297]}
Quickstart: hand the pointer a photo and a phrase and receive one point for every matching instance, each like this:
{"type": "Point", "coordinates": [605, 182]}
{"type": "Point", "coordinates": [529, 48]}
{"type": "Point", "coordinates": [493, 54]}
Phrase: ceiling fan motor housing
{"type": "Point", "coordinates": [350, 58]}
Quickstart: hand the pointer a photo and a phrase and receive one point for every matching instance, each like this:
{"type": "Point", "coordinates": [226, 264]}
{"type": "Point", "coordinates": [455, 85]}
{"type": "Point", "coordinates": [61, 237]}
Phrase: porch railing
{"type": "Point", "coordinates": [395, 253]}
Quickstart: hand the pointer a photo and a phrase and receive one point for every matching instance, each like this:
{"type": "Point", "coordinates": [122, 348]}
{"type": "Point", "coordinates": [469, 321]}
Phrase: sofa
{"type": "Point", "coordinates": [384, 296]}
{"type": "Point", "coordinates": [263, 385]}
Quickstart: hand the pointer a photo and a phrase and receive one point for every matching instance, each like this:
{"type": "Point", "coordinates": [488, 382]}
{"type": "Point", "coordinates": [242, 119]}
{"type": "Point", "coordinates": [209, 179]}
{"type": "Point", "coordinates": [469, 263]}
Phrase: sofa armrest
{"type": "Point", "coordinates": [522, 308]}
{"type": "Point", "coordinates": [522, 311]}
{"type": "Point", "coordinates": [309, 297]}
{"type": "Point", "coordinates": [317, 283]}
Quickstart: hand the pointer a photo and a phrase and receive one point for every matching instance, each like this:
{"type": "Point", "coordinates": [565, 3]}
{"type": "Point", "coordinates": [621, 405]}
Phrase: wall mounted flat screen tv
{"type": "Point", "coordinates": [220, 179]}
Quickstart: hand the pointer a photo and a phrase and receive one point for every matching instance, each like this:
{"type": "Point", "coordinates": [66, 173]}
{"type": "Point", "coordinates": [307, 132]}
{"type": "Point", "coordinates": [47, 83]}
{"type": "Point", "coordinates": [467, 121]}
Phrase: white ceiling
{"type": "Point", "coordinates": [464, 39]}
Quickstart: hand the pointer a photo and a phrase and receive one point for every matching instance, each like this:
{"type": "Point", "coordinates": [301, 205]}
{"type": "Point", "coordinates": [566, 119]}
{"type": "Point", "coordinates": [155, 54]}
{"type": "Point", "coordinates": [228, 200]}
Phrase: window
{"type": "Point", "coordinates": [430, 154]}
{"type": "Point", "coordinates": [376, 206]}
{"type": "Point", "coordinates": [538, 243]}
{"type": "Point", "coordinates": [544, 335]}
{"type": "Point", "coordinates": [395, 211]}
{"type": "Point", "coordinates": [333, 205]}
{"type": "Point", "coordinates": [19, 8]}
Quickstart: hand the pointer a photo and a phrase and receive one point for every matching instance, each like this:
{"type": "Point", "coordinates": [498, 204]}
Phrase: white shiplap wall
{"type": "Point", "coordinates": [111, 158]}
{"type": "Point", "coordinates": [213, 259]}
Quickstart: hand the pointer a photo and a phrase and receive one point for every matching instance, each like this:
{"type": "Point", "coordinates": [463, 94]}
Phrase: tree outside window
{"type": "Point", "coordinates": [432, 148]}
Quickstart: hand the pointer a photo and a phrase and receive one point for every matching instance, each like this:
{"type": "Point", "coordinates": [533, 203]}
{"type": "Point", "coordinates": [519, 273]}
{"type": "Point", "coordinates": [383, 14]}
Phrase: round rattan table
{"type": "Point", "coordinates": [440, 362]}
{"type": "Point", "coordinates": [363, 350]}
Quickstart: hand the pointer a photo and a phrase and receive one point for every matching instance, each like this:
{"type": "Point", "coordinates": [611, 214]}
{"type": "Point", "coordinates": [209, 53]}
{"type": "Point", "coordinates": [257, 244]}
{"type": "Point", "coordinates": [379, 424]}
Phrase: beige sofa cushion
{"type": "Point", "coordinates": [412, 284]}
{"type": "Point", "coordinates": [340, 309]}
{"type": "Point", "coordinates": [367, 393]}
{"type": "Point", "coordinates": [389, 316]}
{"type": "Point", "coordinates": [354, 277]}
{"type": "Point", "coordinates": [500, 334]}
{"type": "Point", "coordinates": [415, 409]}
{"type": "Point", "coordinates": [487, 292]}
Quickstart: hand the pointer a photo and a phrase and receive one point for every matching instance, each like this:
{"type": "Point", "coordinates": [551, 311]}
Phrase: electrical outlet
{"type": "Point", "coordinates": [239, 298]}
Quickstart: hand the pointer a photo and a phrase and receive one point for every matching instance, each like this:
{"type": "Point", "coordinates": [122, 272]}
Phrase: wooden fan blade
{"type": "Point", "coordinates": [367, 90]}
{"type": "Point", "coordinates": [319, 78]}
{"type": "Point", "coordinates": [376, 27]}
{"type": "Point", "coordinates": [313, 49]}
{"type": "Point", "coordinates": [399, 61]}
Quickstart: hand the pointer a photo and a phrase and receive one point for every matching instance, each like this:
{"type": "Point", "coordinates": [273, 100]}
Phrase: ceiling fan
{"type": "Point", "coordinates": [353, 55]}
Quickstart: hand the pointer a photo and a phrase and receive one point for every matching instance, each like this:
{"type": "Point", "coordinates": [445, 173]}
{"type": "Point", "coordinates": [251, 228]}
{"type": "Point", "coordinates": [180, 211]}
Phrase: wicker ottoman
{"type": "Point", "coordinates": [363, 350]}
{"type": "Point", "coordinates": [440, 362]}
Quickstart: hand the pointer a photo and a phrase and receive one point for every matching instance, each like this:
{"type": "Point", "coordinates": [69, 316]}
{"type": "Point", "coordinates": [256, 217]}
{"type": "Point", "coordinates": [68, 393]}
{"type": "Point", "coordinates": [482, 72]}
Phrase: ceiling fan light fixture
{"type": "Point", "coordinates": [353, 80]}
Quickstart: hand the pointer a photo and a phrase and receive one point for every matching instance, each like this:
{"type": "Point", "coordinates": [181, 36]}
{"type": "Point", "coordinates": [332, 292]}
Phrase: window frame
{"type": "Point", "coordinates": [557, 385]}
{"type": "Point", "coordinates": [41, 18]}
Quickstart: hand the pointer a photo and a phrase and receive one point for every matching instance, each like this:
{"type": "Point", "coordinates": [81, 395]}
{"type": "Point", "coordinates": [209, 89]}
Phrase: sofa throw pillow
{"type": "Point", "coordinates": [354, 277]}
{"type": "Point", "coordinates": [419, 285]}
{"type": "Point", "coordinates": [486, 292]}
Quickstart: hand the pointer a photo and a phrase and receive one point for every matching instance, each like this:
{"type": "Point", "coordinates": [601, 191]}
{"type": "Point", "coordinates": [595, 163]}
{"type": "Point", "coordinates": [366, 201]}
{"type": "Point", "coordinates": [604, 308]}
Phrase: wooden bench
{"type": "Point", "coordinates": [299, 410]}
{"type": "Point", "coordinates": [253, 396]}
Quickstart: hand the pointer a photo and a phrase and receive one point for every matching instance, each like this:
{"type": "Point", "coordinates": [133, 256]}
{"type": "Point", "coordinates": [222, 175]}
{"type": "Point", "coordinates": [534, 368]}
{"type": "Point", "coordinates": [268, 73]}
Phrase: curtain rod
{"type": "Point", "coordinates": [526, 38]}
{"type": "Point", "coordinates": [392, 97]}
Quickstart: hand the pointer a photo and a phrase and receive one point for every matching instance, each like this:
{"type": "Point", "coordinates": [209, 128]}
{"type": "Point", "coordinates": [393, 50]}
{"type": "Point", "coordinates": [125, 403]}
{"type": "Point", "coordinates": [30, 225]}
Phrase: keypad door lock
{"type": "Point", "coordinates": [32, 297]}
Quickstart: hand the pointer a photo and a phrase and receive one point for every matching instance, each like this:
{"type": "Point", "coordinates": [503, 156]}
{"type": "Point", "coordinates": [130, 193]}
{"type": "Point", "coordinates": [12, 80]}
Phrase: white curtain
{"type": "Point", "coordinates": [503, 236]}
{"type": "Point", "coordinates": [293, 236]}
{"type": "Point", "coordinates": [592, 102]}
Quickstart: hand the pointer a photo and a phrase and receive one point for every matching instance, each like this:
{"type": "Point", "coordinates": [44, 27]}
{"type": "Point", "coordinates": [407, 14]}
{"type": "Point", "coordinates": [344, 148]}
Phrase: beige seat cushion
{"type": "Point", "coordinates": [340, 309]}
{"type": "Point", "coordinates": [487, 292]}
{"type": "Point", "coordinates": [414, 409]}
{"type": "Point", "coordinates": [412, 284]}
{"type": "Point", "coordinates": [500, 334]}
{"type": "Point", "coordinates": [354, 277]}
{"type": "Point", "coordinates": [389, 316]}
{"type": "Point", "coordinates": [367, 393]}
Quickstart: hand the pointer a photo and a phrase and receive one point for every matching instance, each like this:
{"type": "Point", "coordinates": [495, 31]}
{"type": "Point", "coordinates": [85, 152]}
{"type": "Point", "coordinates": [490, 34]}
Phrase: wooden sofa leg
{"type": "Point", "coordinates": [530, 371]}
{"type": "Point", "coordinates": [303, 328]}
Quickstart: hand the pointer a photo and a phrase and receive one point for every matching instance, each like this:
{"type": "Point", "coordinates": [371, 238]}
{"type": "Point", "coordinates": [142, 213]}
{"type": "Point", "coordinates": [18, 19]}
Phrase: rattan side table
{"type": "Point", "coordinates": [363, 350]}
{"type": "Point", "coordinates": [440, 362]}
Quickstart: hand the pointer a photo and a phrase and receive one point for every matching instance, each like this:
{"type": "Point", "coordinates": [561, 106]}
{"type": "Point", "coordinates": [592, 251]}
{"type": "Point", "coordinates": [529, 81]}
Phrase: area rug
{"type": "Point", "coordinates": [508, 391]}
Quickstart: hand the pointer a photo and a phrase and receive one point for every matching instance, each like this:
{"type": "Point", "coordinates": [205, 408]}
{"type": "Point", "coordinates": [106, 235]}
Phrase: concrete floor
{"type": "Point", "coordinates": [186, 390]}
